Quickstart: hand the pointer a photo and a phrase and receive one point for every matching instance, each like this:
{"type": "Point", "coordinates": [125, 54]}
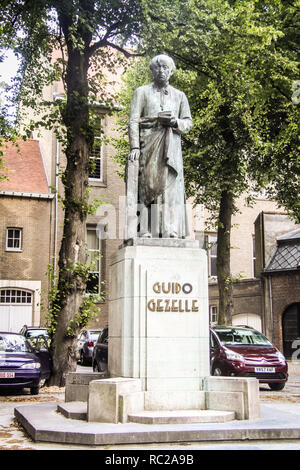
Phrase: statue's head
{"type": "Point", "coordinates": [162, 67]}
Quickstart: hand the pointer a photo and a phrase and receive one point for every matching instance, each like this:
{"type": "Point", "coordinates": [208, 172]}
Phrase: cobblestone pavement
{"type": "Point", "coordinates": [13, 437]}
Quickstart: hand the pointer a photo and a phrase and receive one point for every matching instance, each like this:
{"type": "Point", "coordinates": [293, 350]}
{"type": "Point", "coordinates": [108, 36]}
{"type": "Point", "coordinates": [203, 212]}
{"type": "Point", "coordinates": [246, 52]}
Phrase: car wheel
{"type": "Point", "coordinates": [277, 386]}
{"type": "Point", "coordinates": [35, 390]}
{"type": "Point", "coordinates": [95, 367]}
{"type": "Point", "coordinates": [217, 371]}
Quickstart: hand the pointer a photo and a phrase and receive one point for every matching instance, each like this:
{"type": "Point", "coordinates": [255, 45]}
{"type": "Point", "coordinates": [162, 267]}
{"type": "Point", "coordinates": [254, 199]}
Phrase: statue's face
{"type": "Point", "coordinates": [162, 70]}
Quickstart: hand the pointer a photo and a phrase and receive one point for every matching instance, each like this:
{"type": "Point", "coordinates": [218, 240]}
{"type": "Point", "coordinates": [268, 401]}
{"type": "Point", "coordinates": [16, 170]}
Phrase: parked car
{"type": "Point", "coordinates": [86, 342]}
{"type": "Point", "coordinates": [245, 352]}
{"type": "Point", "coordinates": [33, 331]}
{"type": "Point", "coordinates": [22, 365]}
{"type": "Point", "coordinates": [100, 353]}
{"type": "Point", "coordinates": [234, 351]}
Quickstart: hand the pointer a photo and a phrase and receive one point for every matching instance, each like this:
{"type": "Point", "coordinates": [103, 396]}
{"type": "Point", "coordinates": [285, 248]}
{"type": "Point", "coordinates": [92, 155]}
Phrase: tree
{"type": "Point", "coordinates": [237, 62]}
{"type": "Point", "coordinates": [82, 29]}
{"type": "Point", "coordinates": [7, 129]}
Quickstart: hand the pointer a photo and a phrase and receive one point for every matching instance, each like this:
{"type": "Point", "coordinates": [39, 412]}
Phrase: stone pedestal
{"type": "Point", "coordinates": [158, 355]}
{"type": "Point", "coordinates": [158, 314]}
{"type": "Point", "coordinates": [121, 400]}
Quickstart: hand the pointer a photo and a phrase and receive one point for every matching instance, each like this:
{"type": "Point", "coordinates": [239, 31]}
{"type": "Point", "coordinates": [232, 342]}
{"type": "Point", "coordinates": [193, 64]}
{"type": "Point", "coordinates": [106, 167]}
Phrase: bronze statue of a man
{"type": "Point", "coordinates": [159, 115]}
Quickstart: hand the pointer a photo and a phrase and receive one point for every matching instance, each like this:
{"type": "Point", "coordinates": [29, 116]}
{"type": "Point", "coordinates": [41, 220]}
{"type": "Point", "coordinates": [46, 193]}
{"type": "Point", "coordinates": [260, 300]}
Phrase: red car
{"type": "Point", "coordinates": [245, 352]}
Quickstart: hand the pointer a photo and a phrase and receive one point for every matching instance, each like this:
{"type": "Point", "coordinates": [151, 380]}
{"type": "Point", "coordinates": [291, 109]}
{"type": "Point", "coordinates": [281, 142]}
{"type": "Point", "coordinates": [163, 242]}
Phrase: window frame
{"type": "Point", "coordinates": [254, 259]}
{"type": "Point", "coordinates": [99, 251]}
{"type": "Point", "coordinates": [211, 314]}
{"type": "Point", "coordinates": [100, 157]}
{"type": "Point", "coordinates": [16, 296]}
{"type": "Point", "coordinates": [20, 239]}
{"type": "Point", "coordinates": [208, 245]}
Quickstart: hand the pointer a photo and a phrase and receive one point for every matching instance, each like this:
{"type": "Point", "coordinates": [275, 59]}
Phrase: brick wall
{"type": "Point", "coordinates": [285, 291]}
{"type": "Point", "coordinates": [33, 216]}
{"type": "Point", "coordinates": [247, 296]}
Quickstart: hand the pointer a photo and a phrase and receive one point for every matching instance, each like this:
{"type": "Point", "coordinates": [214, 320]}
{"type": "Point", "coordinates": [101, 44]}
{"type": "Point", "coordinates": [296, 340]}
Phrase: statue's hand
{"type": "Point", "coordinates": [134, 155]}
{"type": "Point", "coordinates": [173, 121]}
{"type": "Point", "coordinates": [168, 121]}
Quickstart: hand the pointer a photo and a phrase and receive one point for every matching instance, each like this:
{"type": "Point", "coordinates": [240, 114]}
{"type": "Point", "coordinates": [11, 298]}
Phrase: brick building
{"type": "Point", "coordinates": [281, 286]}
{"type": "Point", "coordinates": [26, 208]}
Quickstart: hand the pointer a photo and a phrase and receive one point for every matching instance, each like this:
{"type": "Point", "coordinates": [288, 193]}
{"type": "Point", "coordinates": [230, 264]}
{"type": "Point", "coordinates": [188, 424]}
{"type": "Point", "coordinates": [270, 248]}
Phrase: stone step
{"type": "Point", "coordinates": [73, 409]}
{"type": "Point", "coordinates": [78, 410]}
{"type": "Point", "coordinates": [181, 417]}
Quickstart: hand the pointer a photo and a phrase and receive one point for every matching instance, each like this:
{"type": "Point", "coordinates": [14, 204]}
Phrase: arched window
{"type": "Point", "coordinates": [15, 296]}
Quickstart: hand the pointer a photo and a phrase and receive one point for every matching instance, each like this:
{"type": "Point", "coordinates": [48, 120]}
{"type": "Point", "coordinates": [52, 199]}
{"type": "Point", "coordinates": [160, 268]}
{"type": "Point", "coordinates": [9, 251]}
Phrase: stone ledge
{"type": "Point", "coordinates": [164, 242]}
{"type": "Point", "coordinates": [181, 417]}
{"type": "Point", "coordinates": [77, 385]}
{"type": "Point", "coordinates": [73, 410]}
{"type": "Point", "coordinates": [78, 410]}
{"type": "Point", "coordinates": [82, 378]}
{"type": "Point", "coordinates": [233, 393]}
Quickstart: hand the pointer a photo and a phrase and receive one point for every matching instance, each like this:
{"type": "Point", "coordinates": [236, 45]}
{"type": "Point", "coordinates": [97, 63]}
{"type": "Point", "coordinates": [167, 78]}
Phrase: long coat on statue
{"type": "Point", "coordinates": [160, 167]}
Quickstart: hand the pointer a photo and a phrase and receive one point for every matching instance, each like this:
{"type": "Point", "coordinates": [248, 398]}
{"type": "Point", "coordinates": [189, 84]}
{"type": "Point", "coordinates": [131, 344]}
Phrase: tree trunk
{"type": "Point", "coordinates": [72, 256]}
{"type": "Point", "coordinates": [223, 259]}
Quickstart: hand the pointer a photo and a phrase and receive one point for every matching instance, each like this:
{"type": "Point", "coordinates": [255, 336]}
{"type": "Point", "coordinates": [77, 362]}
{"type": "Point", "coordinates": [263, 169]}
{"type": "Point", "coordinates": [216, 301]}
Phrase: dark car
{"type": "Point", "coordinates": [86, 342]}
{"type": "Point", "coordinates": [245, 352]}
{"type": "Point", "coordinates": [100, 353]}
{"type": "Point", "coordinates": [22, 365]}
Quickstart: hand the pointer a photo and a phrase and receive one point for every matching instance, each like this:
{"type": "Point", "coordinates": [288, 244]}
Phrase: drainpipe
{"type": "Point", "coordinates": [271, 303]}
{"type": "Point", "coordinates": [56, 96]}
{"type": "Point", "coordinates": [56, 203]}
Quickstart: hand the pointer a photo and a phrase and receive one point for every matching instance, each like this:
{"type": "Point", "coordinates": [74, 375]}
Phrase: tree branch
{"type": "Point", "coordinates": [104, 42]}
{"type": "Point", "coordinates": [189, 62]}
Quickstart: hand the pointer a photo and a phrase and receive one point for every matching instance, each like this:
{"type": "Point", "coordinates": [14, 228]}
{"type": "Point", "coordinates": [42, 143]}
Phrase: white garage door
{"type": "Point", "coordinates": [15, 309]}
{"type": "Point", "coordinates": [249, 319]}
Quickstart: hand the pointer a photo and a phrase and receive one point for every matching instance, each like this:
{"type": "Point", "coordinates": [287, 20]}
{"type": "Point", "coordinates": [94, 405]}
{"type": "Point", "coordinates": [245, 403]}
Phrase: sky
{"type": "Point", "coordinates": [8, 70]}
{"type": "Point", "coordinates": [8, 67]}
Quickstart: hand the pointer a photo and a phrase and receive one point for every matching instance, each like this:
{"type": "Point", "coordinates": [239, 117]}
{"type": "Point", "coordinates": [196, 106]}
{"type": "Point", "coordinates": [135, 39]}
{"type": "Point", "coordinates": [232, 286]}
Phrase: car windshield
{"type": "Point", "coordinates": [94, 335]}
{"type": "Point", "coordinates": [13, 343]}
{"type": "Point", "coordinates": [241, 336]}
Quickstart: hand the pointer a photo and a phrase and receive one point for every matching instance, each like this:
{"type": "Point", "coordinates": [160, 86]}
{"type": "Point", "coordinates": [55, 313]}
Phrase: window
{"type": "Point", "coordinates": [253, 256]}
{"type": "Point", "coordinates": [213, 314]}
{"type": "Point", "coordinates": [95, 172]}
{"type": "Point", "coordinates": [94, 255]}
{"type": "Point", "coordinates": [213, 341]}
{"type": "Point", "coordinates": [15, 296]}
{"type": "Point", "coordinates": [211, 247]}
{"type": "Point", "coordinates": [13, 239]}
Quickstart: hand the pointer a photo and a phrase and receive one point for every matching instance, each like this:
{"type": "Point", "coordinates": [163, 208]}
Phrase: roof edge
{"type": "Point", "coordinates": [26, 194]}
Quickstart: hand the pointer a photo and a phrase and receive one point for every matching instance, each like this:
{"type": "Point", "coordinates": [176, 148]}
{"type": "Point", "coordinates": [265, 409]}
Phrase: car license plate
{"type": "Point", "coordinates": [7, 375]}
{"type": "Point", "coordinates": [269, 370]}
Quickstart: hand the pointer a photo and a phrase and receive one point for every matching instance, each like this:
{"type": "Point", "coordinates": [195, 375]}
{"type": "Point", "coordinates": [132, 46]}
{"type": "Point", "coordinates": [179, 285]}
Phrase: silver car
{"type": "Point", "coordinates": [86, 342]}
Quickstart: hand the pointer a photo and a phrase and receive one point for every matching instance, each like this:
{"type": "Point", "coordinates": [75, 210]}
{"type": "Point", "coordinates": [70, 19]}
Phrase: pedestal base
{"type": "Point", "coordinates": [122, 400]}
{"type": "Point", "coordinates": [158, 315]}
{"type": "Point", "coordinates": [159, 351]}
